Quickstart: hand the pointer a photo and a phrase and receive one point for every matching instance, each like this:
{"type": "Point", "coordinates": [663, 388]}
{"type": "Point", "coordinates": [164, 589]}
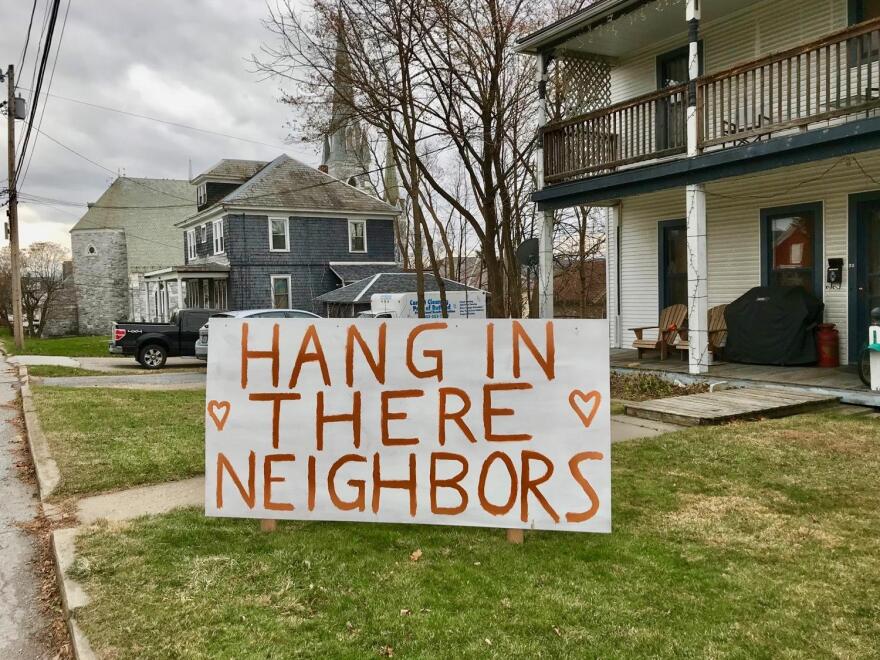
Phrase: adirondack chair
{"type": "Point", "coordinates": [672, 320]}
{"type": "Point", "coordinates": [717, 332]}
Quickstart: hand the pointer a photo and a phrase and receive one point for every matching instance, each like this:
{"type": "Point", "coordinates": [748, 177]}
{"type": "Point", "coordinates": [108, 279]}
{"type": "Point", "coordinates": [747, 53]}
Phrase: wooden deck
{"type": "Point", "coordinates": [729, 405]}
{"type": "Point", "coordinates": [843, 381]}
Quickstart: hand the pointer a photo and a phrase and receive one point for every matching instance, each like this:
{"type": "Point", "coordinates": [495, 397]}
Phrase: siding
{"type": "Point", "coordinates": [314, 242]}
{"type": "Point", "coordinates": [733, 225]}
{"type": "Point", "coordinates": [758, 30]}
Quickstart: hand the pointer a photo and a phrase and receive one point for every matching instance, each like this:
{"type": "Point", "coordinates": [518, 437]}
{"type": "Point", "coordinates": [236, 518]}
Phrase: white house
{"type": "Point", "coordinates": [731, 142]}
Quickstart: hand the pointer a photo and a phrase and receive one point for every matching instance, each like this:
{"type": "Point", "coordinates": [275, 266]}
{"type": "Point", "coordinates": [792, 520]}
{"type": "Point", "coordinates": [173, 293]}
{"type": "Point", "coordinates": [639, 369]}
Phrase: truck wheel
{"type": "Point", "coordinates": [153, 356]}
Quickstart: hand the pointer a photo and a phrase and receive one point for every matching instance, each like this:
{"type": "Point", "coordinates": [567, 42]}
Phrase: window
{"type": "Point", "coordinates": [204, 232]}
{"type": "Point", "coordinates": [279, 235]}
{"type": "Point", "coordinates": [202, 194]}
{"type": "Point", "coordinates": [792, 240]}
{"type": "Point", "coordinates": [357, 235]}
{"type": "Point", "coordinates": [220, 294]}
{"type": "Point", "coordinates": [280, 291]}
{"type": "Point", "coordinates": [673, 263]}
{"type": "Point", "coordinates": [92, 251]}
{"type": "Point", "coordinates": [863, 10]}
{"type": "Point", "coordinates": [219, 245]}
{"type": "Point", "coordinates": [191, 244]}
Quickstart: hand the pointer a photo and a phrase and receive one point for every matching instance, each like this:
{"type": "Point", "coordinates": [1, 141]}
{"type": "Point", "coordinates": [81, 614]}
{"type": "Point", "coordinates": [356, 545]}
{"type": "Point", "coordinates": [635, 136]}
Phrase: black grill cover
{"type": "Point", "coordinates": [773, 325]}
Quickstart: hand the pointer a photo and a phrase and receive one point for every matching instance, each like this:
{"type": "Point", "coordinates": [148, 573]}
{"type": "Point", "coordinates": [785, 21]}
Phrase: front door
{"type": "Point", "coordinates": [672, 70]}
{"type": "Point", "coordinates": [864, 260]}
{"type": "Point", "coordinates": [673, 263]}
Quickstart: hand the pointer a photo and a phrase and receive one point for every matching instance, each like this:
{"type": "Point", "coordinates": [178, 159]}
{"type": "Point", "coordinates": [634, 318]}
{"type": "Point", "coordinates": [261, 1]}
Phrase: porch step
{"type": "Point", "coordinates": [729, 405]}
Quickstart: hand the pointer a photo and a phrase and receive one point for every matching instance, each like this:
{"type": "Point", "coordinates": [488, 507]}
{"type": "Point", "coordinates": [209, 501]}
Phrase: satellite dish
{"type": "Point", "coordinates": [527, 253]}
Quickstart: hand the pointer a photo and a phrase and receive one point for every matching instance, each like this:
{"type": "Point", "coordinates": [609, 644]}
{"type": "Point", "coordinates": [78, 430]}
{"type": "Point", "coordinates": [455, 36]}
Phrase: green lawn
{"type": "Point", "coordinates": [85, 346]}
{"type": "Point", "coordinates": [750, 540]}
{"type": "Point", "coordinates": [106, 438]}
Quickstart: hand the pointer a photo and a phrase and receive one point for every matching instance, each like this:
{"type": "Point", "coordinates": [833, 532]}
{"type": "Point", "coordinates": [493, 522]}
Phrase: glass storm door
{"type": "Point", "coordinates": [673, 263]}
{"type": "Point", "coordinates": [867, 267]}
{"type": "Point", "coordinates": [672, 70]}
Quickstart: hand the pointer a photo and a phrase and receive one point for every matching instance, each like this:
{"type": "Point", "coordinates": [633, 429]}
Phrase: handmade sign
{"type": "Point", "coordinates": [497, 423]}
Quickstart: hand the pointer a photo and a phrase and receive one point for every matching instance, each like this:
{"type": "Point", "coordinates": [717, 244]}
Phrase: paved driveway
{"type": "Point", "coordinates": [145, 380]}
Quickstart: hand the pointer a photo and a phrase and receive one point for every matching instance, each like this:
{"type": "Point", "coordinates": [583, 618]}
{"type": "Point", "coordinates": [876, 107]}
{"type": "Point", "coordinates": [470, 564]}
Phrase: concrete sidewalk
{"type": "Point", "coordinates": [142, 381]}
{"type": "Point", "coordinates": [120, 365]}
{"type": "Point", "coordinates": [22, 626]}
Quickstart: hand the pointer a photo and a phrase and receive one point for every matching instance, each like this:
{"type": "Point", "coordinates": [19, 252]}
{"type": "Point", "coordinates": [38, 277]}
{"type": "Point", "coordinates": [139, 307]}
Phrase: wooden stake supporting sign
{"type": "Point", "coordinates": [498, 423]}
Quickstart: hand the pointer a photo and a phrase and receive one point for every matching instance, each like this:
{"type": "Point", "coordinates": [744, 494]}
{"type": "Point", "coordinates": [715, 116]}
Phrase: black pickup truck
{"type": "Point", "coordinates": [153, 343]}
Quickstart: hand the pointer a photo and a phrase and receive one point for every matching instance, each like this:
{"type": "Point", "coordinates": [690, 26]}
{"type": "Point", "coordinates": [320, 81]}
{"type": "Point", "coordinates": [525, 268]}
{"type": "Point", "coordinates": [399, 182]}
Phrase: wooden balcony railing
{"type": "Point", "coordinates": [650, 126]}
{"type": "Point", "coordinates": [826, 79]}
{"type": "Point", "coordinates": [832, 77]}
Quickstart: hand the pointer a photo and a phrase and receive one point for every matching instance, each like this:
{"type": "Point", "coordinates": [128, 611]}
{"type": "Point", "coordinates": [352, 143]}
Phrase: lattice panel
{"type": "Point", "coordinates": [577, 85]}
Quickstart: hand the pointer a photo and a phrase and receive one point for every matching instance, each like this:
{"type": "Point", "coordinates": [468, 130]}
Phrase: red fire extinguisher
{"type": "Point", "coordinates": [828, 343]}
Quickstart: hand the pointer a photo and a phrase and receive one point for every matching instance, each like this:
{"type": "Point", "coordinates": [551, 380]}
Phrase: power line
{"type": "Point", "coordinates": [163, 121]}
{"type": "Point", "coordinates": [27, 38]}
{"type": "Point", "coordinates": [46, 102]}
{"type": "Point", "coordinates": [39, 85]}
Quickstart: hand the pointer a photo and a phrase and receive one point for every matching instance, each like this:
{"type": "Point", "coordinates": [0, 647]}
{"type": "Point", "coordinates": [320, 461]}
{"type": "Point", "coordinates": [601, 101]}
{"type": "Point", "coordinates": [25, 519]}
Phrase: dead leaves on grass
{"type": "Point", "coordinates": [724, 520]}
{"type": "Point", "coordinates": [415, 555]}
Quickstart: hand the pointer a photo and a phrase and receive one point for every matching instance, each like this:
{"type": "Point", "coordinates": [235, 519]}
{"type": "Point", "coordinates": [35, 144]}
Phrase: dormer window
{"type": "Point", "coordinates": [202, 194]}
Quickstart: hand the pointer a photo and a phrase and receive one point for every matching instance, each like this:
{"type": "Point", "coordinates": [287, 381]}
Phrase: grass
{"type": "Point", "coordinates": [81, 346]}
{"type": "Point", "coordinates": [749, 540]}
{"type": "Point", "coordinates": [105, 438]}
{"type": "Point", "coordinates": [641, 387]}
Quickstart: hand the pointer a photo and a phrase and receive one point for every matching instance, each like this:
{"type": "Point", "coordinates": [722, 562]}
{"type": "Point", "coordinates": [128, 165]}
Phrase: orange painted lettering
{"type": "Point", "coordinates": [547, 362]}
{"type": "Point", "coordinates": [495, 509]}
{"type": "Point", "coordinates": [359, 485]}
{"type": "Point", "coordinates": [249, 495]}
{"type": "Point", "coordinates": [451, 482]}
{"type": "Point", "coordinates": [269, 479]}
{"type": "Point", "coordinates": [376, 363]}
{"type": "Point", "coordinates": [247, 354]}
{"type": "Point", "coordinates": [305, 355]}
{"type": "Point", "coordinates": [355, 418]}
{"type": "Point", "coordinates": [530, 485]}
{"type": "Point", "coordinates": [489, 411]}
{"type": "Point", "coordinates": [436, 355]}
{"type": "Point", "coordinates": [276, 398]}
{"type": "Point", "coordinates": [388, 416]}
{"type": "Point", "coordinates": [574, 467]}
{"type": "Point", "coordinates": [408, 485]}
{"type": "Point", "coordinates": [457, 416]}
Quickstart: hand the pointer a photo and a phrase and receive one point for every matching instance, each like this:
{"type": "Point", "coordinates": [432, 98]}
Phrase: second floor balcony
{"type": "Point", "coordinates": [820, 82]}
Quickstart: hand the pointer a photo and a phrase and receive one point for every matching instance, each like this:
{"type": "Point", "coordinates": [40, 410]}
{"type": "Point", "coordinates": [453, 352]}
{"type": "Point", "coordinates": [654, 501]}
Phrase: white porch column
{"type": "Point", "coordinates": [180, 304]}
{"type": "Point", "coordinates": [545, 234]}
{"type": "Point", "coordinates": [698, 262]}
{"type": "Point", "coordinates": [612, 290]}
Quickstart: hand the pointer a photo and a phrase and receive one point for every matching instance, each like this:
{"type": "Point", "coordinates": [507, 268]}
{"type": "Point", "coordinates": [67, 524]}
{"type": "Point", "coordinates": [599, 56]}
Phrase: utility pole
{"type": "Point", "coordinates": [17, 329]}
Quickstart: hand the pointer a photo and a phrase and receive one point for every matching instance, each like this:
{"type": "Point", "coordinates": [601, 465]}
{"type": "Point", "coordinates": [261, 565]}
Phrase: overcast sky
{"type": "Point", "coordinates": [179, 60]}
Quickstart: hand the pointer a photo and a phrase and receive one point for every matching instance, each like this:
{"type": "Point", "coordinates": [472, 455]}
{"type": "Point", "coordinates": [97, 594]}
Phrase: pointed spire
{"type": "Point", "coordinates": [392, 188]}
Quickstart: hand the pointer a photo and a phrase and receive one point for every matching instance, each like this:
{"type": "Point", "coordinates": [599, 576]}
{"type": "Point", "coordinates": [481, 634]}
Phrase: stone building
{"type": "Point", "coordinates": [129, 231]}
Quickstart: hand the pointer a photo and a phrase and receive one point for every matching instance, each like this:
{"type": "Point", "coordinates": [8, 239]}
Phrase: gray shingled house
{"type": "Point", "coordinates": [128, 232]}
{"type": "Point", "coordinates": [277, 234]}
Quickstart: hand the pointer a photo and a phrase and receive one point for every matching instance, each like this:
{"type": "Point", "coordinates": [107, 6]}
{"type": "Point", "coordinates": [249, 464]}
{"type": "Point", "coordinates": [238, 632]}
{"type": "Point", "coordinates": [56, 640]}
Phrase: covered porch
{"type": "Point", "coordinates": [842, 381]}
{"type": "Point", "coordinates": [186, 287]}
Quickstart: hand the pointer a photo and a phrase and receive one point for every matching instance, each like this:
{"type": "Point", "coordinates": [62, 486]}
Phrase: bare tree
{"type": "Point", "coordinates": [42, 279]}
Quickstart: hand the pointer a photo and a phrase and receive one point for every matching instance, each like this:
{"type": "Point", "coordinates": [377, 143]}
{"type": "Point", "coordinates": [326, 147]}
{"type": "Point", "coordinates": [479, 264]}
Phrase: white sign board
{"type": "Point", "coordinates": [497, 423]}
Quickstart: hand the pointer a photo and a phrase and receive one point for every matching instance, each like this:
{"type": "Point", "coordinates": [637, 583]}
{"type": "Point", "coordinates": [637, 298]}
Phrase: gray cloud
{"type": "Point", "coordinates": [183, 61]}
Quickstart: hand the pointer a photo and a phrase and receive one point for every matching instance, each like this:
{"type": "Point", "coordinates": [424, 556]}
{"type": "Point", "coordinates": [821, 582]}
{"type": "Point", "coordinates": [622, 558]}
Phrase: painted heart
{"type": "Point", "coordinates": [219, 412]}
{"type": "Point", "coordinates": [581, 402]}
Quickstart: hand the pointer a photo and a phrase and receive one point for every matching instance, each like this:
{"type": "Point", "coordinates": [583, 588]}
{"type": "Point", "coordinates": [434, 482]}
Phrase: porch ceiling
{"type": "Point", "coordinates": [619, 27]}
